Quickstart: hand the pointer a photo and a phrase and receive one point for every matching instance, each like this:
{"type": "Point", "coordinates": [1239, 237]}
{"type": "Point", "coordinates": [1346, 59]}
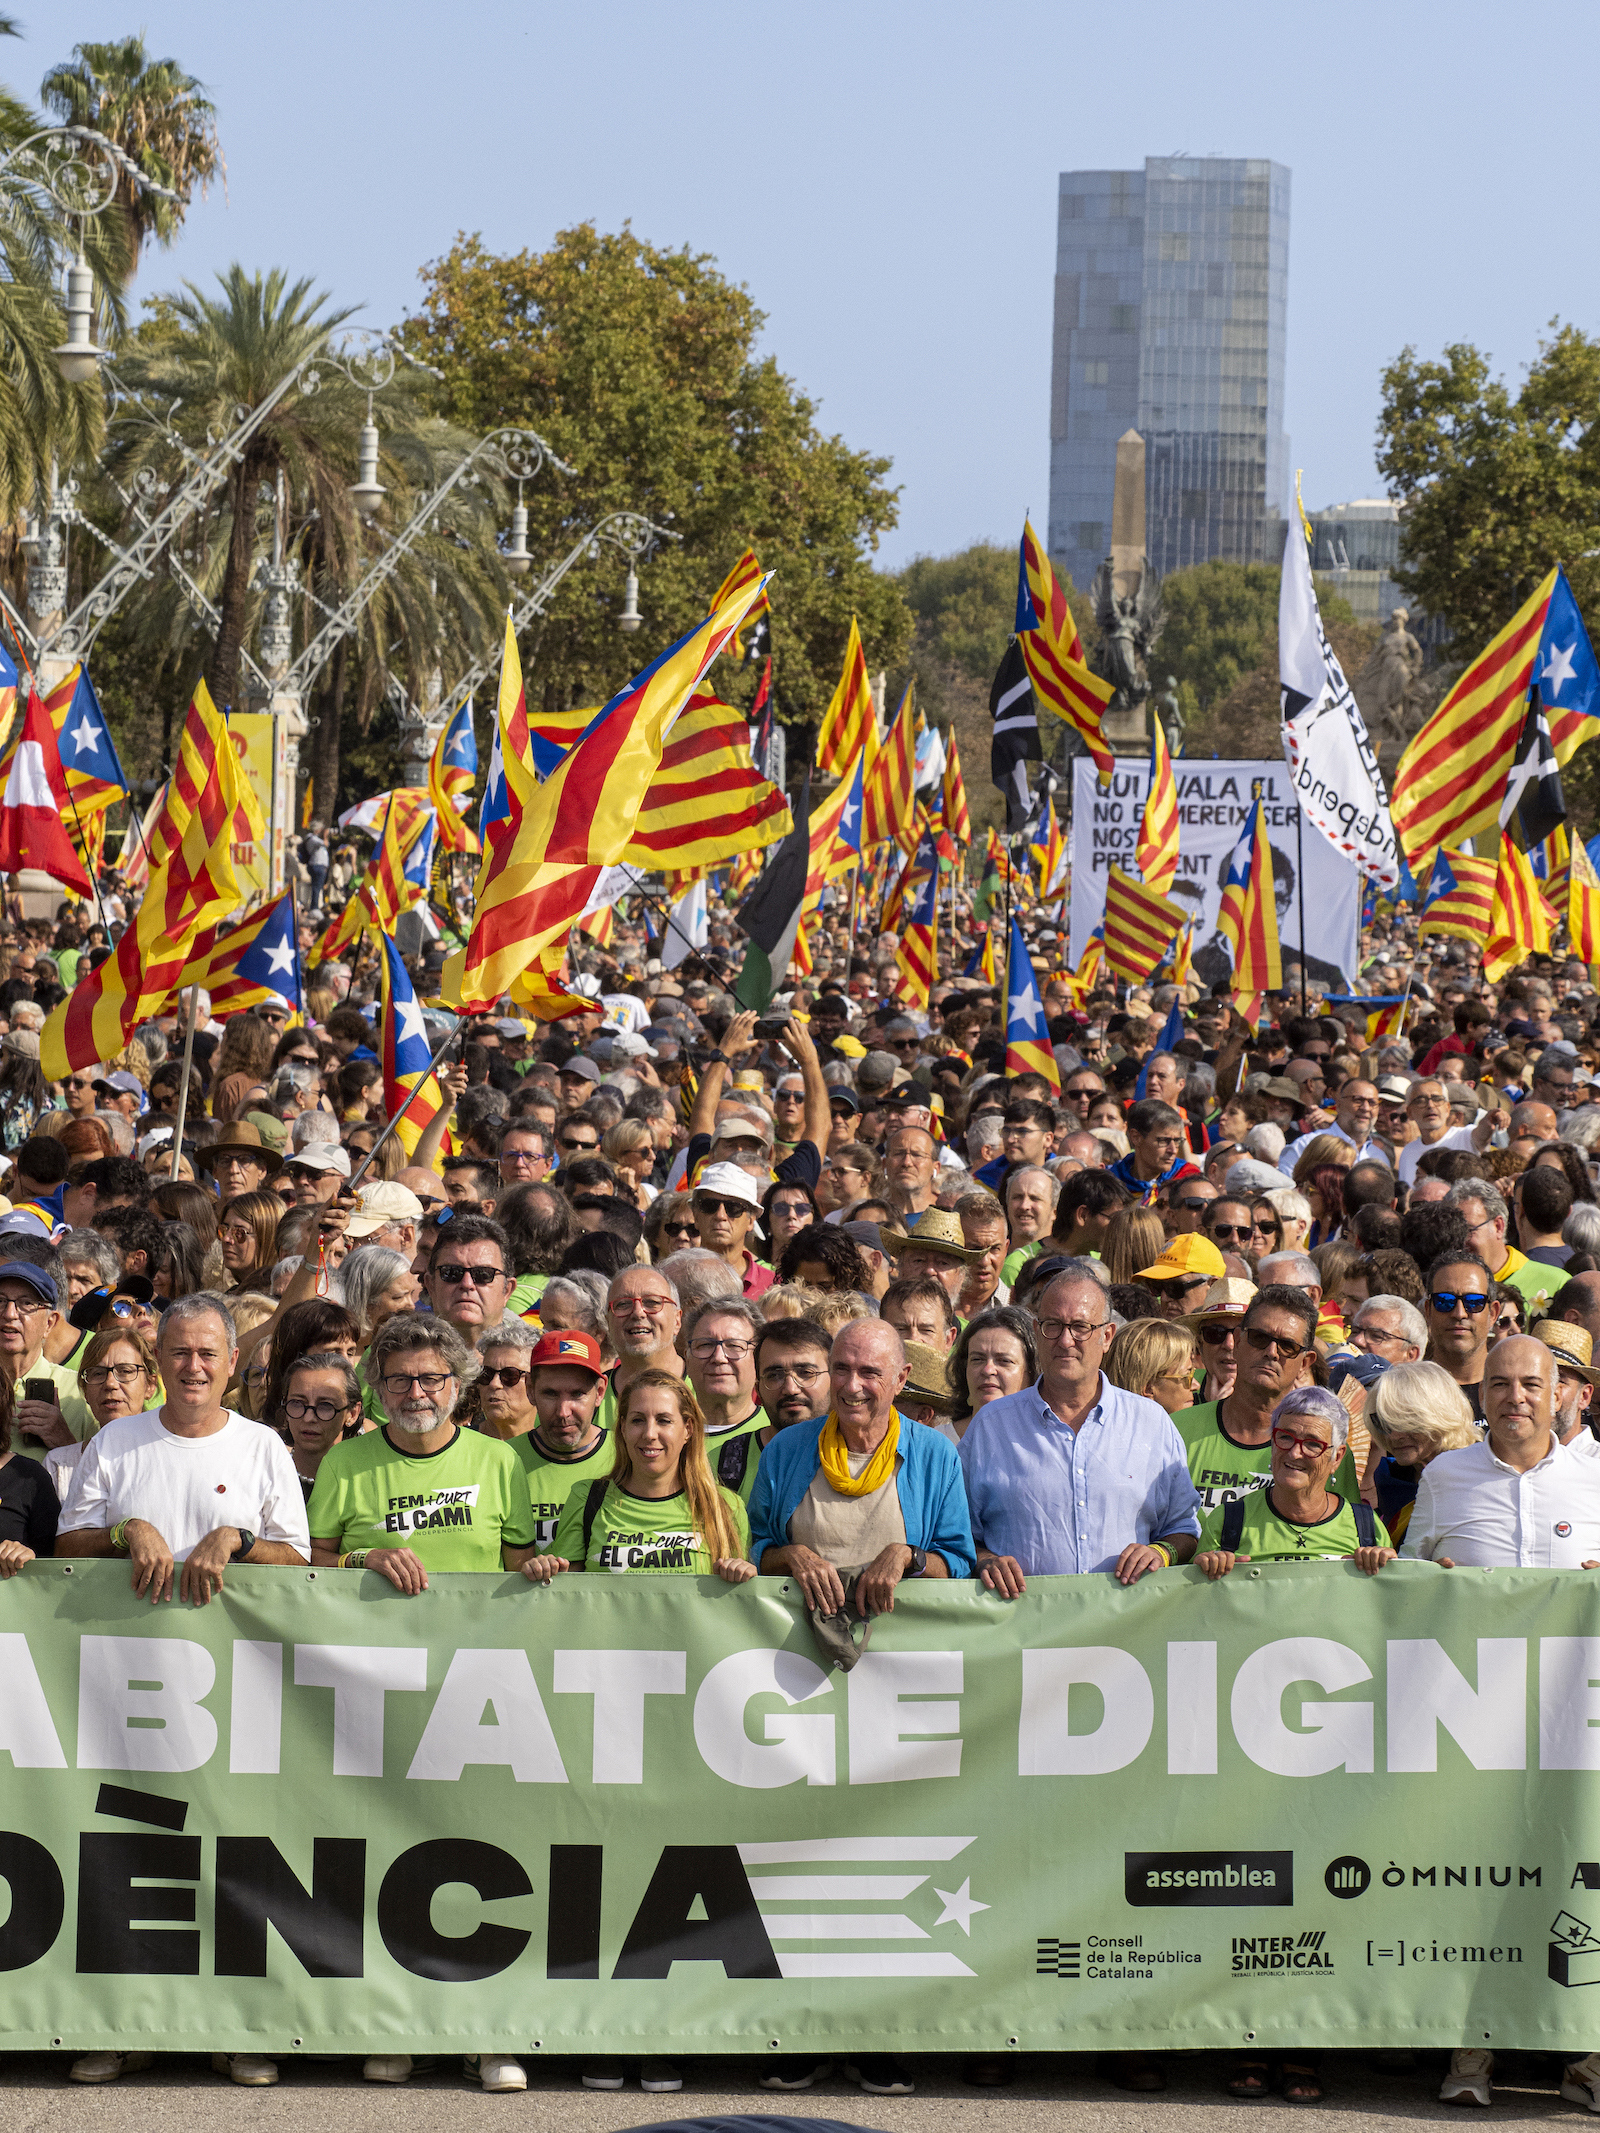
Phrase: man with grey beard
{"type": "Point", "coordinates": [422, 1493]}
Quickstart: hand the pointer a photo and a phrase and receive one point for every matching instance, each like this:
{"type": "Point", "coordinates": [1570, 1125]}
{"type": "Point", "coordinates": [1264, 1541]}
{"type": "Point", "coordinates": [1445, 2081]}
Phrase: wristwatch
{"type": "Point", "coordinates": [918, 1566]}
{"type": "Point", "coordinates": [247, 1541]}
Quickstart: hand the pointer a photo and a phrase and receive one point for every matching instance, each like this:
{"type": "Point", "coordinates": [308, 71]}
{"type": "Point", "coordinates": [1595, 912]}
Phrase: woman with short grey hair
{"type": "Point", "coordinates": [368, 1272]}
{"type": "Point", "coordinates": [1297, 1517]}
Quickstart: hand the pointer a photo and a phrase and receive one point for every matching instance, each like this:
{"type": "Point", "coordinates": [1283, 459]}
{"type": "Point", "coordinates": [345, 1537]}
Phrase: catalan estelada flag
{"type": "Point", "coordinates": [1028, 1048]}
{"type": "Point", "coordinates": [980, 964]}
{"type": "Point", "coordinates": [1051, 852]}
{"type": "Point", "coordinates": [452, 773]}
{"type": "Point", "coordinates": [1157, 853]}
{"type": "Point", "coordinates": [1452, 777]}
{"type": "Point", "coordinates": [384, 891]}
{"type": "Point", "coordinates": [407, 1059]}
{"type": "Point", "coordinates": [538, 872]}
{"type": "Point", "coordinates": [1457, 898]}
{"type": "Point", "coordinates": [1248, 915]}
{"type": "Point", "coordinates": [707, 801]}
{"type": "Point", "coordinates": [957, 818]}
{"type": "Point", "coordinates": [921, 867]}
{"type": "Point", "coordinates": [746, 572]}
{"type": "Point", "coordinates": [850, 724]}
{"type": "Point", "coordinates": [192, 885]}
{"type": "Point", "coordinates": [1139, 925]}
{"type": "Point", "coordinates": [888, 790]}
{"type": "Point", "coordinates": [1385, 1011]}
{"type": "Point", "coordinates": [94, 772]}
{"type": "Point", "coordinates": [836, 829]}
{"type": "Point", "coordinates": [243, 964]}
{"type": "Point", "coordinates": [917, 956]}
{"type": "Point", "coordinates": [1053, 653]}
{"type": "Point", "coordinates": [1583, 905]}
{"type": "Point", "coordinates": [1521, 923]}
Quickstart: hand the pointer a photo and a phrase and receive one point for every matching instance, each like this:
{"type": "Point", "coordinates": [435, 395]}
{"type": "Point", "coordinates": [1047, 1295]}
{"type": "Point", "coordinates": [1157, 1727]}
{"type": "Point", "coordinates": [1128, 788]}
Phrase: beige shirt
{"type": "Point", "coordinates": [849, 1531]}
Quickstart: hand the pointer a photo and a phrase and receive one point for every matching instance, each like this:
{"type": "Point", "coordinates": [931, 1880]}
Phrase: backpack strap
{"type": "Point", "coordinates": [1232, 1526]}
{"type": "Point", "coordinates": [1366, 1525]}
{"type": "Point", "coordinates": [591, 1509]}
{"type": "Point", "coordinates": [733, 1461]}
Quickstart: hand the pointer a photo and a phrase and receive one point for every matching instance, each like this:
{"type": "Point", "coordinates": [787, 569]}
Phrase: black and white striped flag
{"type": "Point", "coordinates": [1016, 736]}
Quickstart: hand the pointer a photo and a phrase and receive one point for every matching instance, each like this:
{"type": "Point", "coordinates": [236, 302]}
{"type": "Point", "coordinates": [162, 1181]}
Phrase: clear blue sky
{"type": "Point", "coordinates": [883, 179]}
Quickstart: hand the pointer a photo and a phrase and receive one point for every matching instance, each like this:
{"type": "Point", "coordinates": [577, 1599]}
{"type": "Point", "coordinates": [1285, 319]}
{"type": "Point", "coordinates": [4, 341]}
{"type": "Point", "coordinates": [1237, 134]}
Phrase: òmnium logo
{"type": "Point", "coordinates": [1187, 1880]}
{"type": "Point", "coordinates": [1347, 1877]}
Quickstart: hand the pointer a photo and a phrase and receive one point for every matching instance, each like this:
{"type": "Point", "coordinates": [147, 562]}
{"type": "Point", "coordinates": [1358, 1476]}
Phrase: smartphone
{"type": "Point", "coordinates": [772, 1025]}
{"type": "Point", "coordinates": [41, 1389]}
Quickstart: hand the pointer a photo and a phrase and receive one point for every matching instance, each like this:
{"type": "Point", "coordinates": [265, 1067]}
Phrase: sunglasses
{"type": "Point", "coordinates": [1214, 1336]}
{"type": "Point", "coordinates": [507, 1375]}
{"type": "Point", "coordinates": [711, 1204]}
{"type": "Point", "coordinates": [1221, 1229]}
{"type": "Point", "coordinates": [1194, 1207]}
{"type": "Point", "coordinates": [572, 1147]}
{"type": "Point", "coordinates": [679, 1229]}
{"type": "Point", "coordinates": [1445, 1300]}
{"type": "Point", "coordinates": [1278, 1343]}
{"type": "Point", "coordinates": [481, 1277]}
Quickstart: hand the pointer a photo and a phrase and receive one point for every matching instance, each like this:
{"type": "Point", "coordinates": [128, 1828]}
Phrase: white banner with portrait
{"type": "Point", "coordinates": [1213, 798]}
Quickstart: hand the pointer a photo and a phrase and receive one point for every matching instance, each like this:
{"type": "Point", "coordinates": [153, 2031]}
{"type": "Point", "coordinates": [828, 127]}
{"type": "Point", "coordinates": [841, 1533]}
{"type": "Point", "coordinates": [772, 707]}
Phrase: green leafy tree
{"type": "Point", "coordinates": [1218, 616]}
{"type": "Point", "coordinates": [1497, 485]}
{"type": "Point", "coordinates": [157, 114]}
{"type": "Point", "coordinates": [639, 366]}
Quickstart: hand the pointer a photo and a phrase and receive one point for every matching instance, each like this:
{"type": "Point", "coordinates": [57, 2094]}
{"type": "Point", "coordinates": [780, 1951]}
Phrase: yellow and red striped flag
{"type": "Point", "coordinates": [957, 818]}
{"type": "Point", "coordinates": [538, 870]}
{"type": "Point", "coordinates": [707, 801]}
{"type": "Point", "coordinates": [1183, 957]}
{"type": "Point", "coordinates": [747, 571]}
{"type": "Point", "coordinates": [192, 884]}
{"type": "Point", "coordinates": [452, 772]}
{"type": "Point", "coordinates": [1452, 777]}
{"type": "Point", "coordinates": [1583, 905]}
{"type": "Point", "coordinates": [1051, 853]}
{"type": "Point", "coordinates": [888, 789]}
{"type": "Point", "coordinates": [1139, 926]}
{"type": "Point", "coordinates": [918, 954]}
{"type": "Point", "coordinates": [383, 891]}
{"type": "Point", "coordinates": [1555, 857]}
{"type": "Point", "coordinates": [850, 724]}
{"type": "Point", "coordinates": [1458, 897]}
{"type": "Point", "coordinates": [1053, 653]}
{"type": "Point", "coordinates": [1028, 1046]}
{"type": "Point", "coordinates": [1157, 853]}
{"type": "Point", "coordinates": [835, 833]}
{"type": "Point", "coordinates": [1520, 921]}
{"type": "Point", "coordinates": [1247, 917]}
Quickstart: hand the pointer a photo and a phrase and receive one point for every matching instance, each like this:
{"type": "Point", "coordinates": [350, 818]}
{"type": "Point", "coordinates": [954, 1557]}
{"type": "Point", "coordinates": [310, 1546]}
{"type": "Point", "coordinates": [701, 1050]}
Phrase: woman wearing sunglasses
{"type": "Point", "coordinates": [504, 1397]}
{"type": "Point", "coordinates": [670, 1225]}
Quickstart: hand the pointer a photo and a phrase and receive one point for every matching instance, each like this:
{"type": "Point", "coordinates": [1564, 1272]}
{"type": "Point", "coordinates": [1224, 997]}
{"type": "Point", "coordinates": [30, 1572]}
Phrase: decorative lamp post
{"type": "Point", "coordinates": [630, 618]}
{"type": "Point", "coordinates": [78, 359]}
{"type": "Point", "coordinates": [366, 489]}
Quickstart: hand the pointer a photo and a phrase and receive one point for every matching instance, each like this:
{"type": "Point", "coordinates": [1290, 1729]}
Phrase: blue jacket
{"type": "Point", "coordinates": [933, 1497]}
{"type": "Point", "coordinates": [993, 1174]}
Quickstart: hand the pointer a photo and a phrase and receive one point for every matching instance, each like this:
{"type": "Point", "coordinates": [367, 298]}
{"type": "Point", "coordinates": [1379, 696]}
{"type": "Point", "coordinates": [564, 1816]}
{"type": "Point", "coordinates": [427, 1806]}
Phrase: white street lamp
{"type": "Point", "coordinates": [630, 618]}
{"type": "Point", "coordinates": [367, 491]}
{"type": "Point", "coordinates": [516, 559]}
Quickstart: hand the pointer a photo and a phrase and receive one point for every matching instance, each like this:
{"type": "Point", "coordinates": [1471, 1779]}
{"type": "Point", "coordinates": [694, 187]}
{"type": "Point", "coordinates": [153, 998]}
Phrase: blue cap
{"type": "Point", "coordinates": [35, 1277]}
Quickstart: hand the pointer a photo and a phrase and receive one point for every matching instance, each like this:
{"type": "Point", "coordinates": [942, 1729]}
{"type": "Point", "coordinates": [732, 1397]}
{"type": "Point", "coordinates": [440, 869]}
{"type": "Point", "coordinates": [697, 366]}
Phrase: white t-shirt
{"type": "Point", "coordinates": [188, 1486]}
{"type": "Point", "coordinates": [1413, 1151]}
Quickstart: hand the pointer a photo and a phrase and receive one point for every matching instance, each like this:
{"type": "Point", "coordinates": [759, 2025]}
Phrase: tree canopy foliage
{"type": "Point", "coordinates": [1497, 485]}
{"type": "Point", "coordinates": [639, 366]}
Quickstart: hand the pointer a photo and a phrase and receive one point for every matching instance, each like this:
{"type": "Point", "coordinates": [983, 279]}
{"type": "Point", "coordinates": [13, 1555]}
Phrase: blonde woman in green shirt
{"type": "Point", "coordinates": [660, 1510]}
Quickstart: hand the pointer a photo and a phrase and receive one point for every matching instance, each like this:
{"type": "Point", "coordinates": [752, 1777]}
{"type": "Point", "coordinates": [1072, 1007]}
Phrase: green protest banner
{"type": "Point", "coordinates": [1297, 1807]}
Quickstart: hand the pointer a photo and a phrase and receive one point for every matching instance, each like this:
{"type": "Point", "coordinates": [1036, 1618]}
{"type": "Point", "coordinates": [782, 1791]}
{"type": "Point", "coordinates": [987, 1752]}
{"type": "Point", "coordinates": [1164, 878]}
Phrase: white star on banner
{"type": "Point", "coordinates": [1025, 1009]}
{"type": "Point", "coordinates": [85, 739]}
{"type": "Point", "coordinates": [409, 1024]}
{"type": "Point", "coordinates": [1560, 669]}
{"type": "Point", "coordinates": [959, 1907]}
{"type": "Point", "coordinates": [280, 958]}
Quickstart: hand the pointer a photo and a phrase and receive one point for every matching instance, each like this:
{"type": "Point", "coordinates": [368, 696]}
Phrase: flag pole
{"type": "Point", "coordinates": [183, 1086]}
{"type": "Point", "coordinates": [1300, 875]}
{"type": "Point", "coordinates": [668, 921]}
{"type": "Point", "coordinates": [411, 1096]}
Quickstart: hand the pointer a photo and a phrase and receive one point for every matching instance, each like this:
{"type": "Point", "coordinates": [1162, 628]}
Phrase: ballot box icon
{"type": "Point", "coordinates": [1574, 1951]}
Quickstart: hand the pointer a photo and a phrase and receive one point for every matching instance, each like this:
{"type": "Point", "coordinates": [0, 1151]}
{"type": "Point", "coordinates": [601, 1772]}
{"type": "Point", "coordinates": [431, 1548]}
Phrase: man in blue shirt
{"type": "Point", "coordinates": [1072, 1474]}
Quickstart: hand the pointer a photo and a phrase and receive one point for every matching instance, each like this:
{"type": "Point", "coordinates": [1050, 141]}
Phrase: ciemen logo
{"type": "Point", "coordinates": [1187, 1880]}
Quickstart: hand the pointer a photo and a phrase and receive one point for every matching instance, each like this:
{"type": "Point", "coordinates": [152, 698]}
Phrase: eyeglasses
{"type": "Point", "coordinates": [81, 1081]}
{"type": "Point", "coordinates": [619, 1306]}
{"type": "Point", "coordinates": [735, 1351]}
{"type": "Point", "coordinates": [1446, 1300]}
{"type": "Point", "coordinates": [1076, 1330]}
{"type": "Point", "coordinates": [712, 1204]}
{"type": "Point", "coordinates": [1283, 1344]}
{"type": "Point", "coordinates": [1287, 1439]}
{"type": "Point", "coordinates": [507, 1375]}
{"type": "Point", "coordinates": [325, 1410]}
{"type": "Point", "coordinates": [520, 1158]}
{"type": "Point", "coordinates": [428, 1381]}
{"type": "Point", "coordinates": [781, 1373]}
{"type": "Point", "coordinates": [124, 1373]}
{"type": "Point", "coordinates": [1373, 1334]}
{"type": "Point", "coordinates": [481, 1277]}
{"type": "Point", "coordinates": [23, 1306]}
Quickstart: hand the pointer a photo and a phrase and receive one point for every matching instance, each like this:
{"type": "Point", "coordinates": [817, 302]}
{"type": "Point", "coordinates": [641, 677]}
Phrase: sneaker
{"type": "Point", "coordinates": [656, 2076]}
{"type": "Point", "coordinates": [244, 2069]}
{"type": "Point", "coordinates": [881, 2076]}
{"type": "Point", "coordinates": [107, 2066]}
{"type": "Point", "coordinates": [1468, 2078]}
{"type": "Point", "coordinates": [493, 2072]}
{"type": "Point", "coordinates": [603, 2074]}
{"type": "Point", "coordinates": [795, 2073]}
{"type": "Point", "coordinates": [393, 2068]}
{"type": "Point", "coordinates": [1580, 2082]}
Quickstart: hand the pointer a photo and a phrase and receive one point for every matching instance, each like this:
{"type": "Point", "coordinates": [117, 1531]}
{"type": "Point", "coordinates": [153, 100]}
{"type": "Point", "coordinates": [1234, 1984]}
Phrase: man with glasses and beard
{"type": "Point", "coordinates": [422, 1493]}
{"type": "Point", "coordinates": [1460, 1320]}
{"type": "Point", "coordinates": [792, 1371]}
{"type": "Point", "coordinates": [1228, 1442]}
{"type": "Point", "coordinates": [1072, 1474]}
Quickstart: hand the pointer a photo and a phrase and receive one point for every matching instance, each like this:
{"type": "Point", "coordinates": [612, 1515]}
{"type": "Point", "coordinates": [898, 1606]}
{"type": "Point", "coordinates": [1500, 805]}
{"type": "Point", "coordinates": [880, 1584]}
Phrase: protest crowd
{"type": "Point", "coordinates": [837, 1294]}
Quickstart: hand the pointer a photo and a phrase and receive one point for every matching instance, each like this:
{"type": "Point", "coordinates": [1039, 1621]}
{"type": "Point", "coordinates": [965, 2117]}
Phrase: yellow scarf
{"type": "Point", "coordinates": [836, 1459]}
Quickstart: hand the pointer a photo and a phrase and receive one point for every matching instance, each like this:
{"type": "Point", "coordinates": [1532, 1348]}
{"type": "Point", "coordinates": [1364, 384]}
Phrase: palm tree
{"type": "Point", "coordinates": [156, 114]}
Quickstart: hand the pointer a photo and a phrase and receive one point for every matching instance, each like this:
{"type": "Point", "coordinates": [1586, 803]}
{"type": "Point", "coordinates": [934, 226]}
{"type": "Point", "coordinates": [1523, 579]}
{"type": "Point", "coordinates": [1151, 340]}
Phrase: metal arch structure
{"type": "Point", "coordinates": [52, 161]}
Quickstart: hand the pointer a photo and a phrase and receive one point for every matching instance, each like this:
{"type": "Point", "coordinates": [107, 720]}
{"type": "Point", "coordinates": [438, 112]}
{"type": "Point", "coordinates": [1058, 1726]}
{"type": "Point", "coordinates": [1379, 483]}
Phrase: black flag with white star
{"type": "Point", "coordinates": [1534, 804]}
{"type": "Point", "coordinates": [1016, 736]}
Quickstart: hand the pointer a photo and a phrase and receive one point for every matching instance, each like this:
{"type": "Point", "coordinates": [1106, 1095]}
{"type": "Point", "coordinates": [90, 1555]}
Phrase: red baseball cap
{"type": "Point", "coordinates": [565, 1346]}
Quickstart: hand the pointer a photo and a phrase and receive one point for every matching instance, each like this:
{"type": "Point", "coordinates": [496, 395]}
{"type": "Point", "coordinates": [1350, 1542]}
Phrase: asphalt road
{"type": "Point", "coordinates": [1059, 2095]}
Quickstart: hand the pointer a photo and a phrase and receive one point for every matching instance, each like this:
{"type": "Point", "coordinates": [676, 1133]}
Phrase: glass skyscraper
{"type": "Point", "coordinates": [1170, 298]}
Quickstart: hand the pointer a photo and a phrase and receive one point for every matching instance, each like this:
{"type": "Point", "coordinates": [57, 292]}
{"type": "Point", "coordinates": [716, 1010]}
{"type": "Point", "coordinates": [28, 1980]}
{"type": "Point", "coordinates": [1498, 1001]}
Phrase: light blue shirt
{"type": "Point", "coordinates": [1063, 1500]}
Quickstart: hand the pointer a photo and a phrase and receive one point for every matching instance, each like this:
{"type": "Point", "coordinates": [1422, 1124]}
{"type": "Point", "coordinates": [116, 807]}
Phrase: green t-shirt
{"type": "Point", "coordinates": [632, 1534]}
{"type": "Point", "coordinates": [1267, 1538]}
{"type": "Point", "coordinates": [1014, 1262]}
{"type": "Point", "coordinates": [74, 1407]}
{"type": "Point", "coordinates": [454, 1509]}
{"type": "Point", "coordinates": [1222, 1470]}
{"type": "Point", "coordinates": [525, 1293]}
{"type": "Point", "coordinates": [552, 1481]}
{"type": "Point", "coordinates": [1533, 1281]}
{"type": "Point", "coordinates": [732, 1459]}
